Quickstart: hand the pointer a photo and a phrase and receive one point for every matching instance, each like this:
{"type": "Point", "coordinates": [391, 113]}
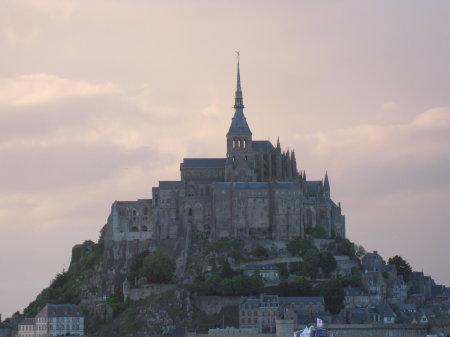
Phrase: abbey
{"type": "Point", "coordinates": [255, 192]}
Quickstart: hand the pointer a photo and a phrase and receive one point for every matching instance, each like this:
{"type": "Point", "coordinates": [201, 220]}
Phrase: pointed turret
{"type": "Point", "coordinates": [294, 165]}
{"type": "Point", "coordinates": [239, 124]}
{"type": "Point", "coordinates": [326, 185]}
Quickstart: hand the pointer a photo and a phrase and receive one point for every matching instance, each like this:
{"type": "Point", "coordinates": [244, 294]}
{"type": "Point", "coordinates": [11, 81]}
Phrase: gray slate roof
{"type": "Point", "coordinates": [27, 321]}
{"type": "Point", "coordinates": [60, 310]}
{"type": "Point", "coordinates": [170, 185]}
{"type": "Point", "coordinates": [239, 124]}
{"type": "Point", "coordinates": [253, 185]}
{"type": "Point", "coordinates": [302, 300]}
{"type": "Point", "coordinates": [203, 163]}
{"type": "Point", "coordinates": [314, 186]}
{"type": "Point", "coordinates": [262, 145]}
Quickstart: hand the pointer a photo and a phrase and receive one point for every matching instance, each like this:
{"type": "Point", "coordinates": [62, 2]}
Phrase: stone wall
{"type": "Point", "coordinates": [376, 330]}
{"type": "Point", "coordinates": [5, 332]}
{"type": "Point", "coordinates": [212, 305]}
{"type": "Point", "coordinates": [146, 291]}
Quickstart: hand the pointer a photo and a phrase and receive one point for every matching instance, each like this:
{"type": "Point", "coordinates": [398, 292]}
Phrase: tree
{"type": "Point", "coordinates": [311, 260]}
{"type": "Point", "coordinates": [226, 287]}
{"type": "Point", "coordinates": [359, 251]}
{"type": "Point", "coordinates": [403, 267]}
{"type": "Point", "coordinates": [345, 247]}
{"type": "Point", "coordinates": [158, 267]}
{"type": "Point", "coordinates": [245, 285]}
{"type": "Point", "coordinates": [211, 285]}
{"type": "Point", "coordinates": [333, 294]}
{"type": "Point", "coordinates": [299, 286]}
{"type": "Point", "coordinates": [298, 247]}
{"type": "Point", "coordinates": [261, 251]}
{"type": "Point", "coordinates": [327, 262]}
{"type": "Point", "coordinates": [227, 271]}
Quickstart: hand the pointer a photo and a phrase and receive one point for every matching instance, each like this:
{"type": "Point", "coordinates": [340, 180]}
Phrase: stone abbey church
{"type": "Point", "coordinates": [255, 192]}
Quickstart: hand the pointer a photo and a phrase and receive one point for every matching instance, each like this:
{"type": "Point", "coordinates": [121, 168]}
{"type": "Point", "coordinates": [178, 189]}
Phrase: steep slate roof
{"type": "Point", "coordinates": [262, 144]}
{"type": "Point", "coordinates": [203, 163]}
{"type": "Point", "coordinates": [253, 185]}
{"type": "Point", "coordinates": [301, 300]}
{"type": "Point", "coordinates": [27, 321]}
{"type": "Point", "coordinates": [60, 310]}
{"type": "Point", "coordinates": [385, 310]}
{"type": "Point", "coordinates": [314, 186]}
{"type": "Point", "coordinates": [239, 124]}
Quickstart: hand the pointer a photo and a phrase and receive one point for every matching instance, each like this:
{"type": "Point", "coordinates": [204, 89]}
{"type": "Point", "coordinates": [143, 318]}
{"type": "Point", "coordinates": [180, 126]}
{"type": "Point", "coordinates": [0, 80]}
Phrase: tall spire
{"type": "Point", "coordinates": [239, 123]}
{"type": "Point", "coordinates": [238, 100]}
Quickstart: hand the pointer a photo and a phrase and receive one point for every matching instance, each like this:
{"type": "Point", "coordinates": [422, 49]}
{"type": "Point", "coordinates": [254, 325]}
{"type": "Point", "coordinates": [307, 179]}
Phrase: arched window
{"type": "Point", "coordinates": [145, 211]}
{"type": "Point", "coordinates": [190, 212]}
{"type": "Point", "coordinates": [245, 143]}
{"type": "Point", "coordinates": [134, 212]}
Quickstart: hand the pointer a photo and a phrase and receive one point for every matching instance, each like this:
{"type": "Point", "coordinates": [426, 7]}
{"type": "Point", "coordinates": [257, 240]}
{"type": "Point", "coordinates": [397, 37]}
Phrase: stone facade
{"type": "Point", "coordinates": [255, 192]}
{"type": "Point", "coordinates": [53, 320]}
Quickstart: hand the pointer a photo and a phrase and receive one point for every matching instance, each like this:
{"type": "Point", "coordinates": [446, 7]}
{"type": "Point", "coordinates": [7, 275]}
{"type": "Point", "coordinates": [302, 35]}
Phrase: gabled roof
{"type": "Point", "coordinates": [27, 321]}
{"type": "Point", "coordinates": [60, 310]}
{"type": "Point", "coordinates": [301, 300]}
{"type": "Point", "coordinates": [203, 163]}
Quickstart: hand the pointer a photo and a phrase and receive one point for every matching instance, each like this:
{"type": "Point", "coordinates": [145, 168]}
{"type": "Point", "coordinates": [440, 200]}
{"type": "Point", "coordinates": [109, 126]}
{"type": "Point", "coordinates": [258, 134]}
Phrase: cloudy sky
{"type": "Point", "coordinates": [101, 99]}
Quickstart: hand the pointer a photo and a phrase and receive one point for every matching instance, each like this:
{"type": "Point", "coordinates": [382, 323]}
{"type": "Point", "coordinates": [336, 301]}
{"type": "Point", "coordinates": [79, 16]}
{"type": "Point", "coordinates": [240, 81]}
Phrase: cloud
{"type": "Point", "coordinates": [43, 88]}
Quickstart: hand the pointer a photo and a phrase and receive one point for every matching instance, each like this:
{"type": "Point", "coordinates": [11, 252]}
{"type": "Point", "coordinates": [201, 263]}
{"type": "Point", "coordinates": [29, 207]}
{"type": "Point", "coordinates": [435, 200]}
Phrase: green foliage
{"type": "Point", "coordinates": [116, 302]}
{"type": "Point", "coordinates": [345, 247]}
{"type": "Point", "coordinates": [211, 285]}
{"type": "Point", "coordinates": [298, 247]}
{"type": "Point", "coordinates": [227, 271]}
{"type": "Point", "coordinates": [260, 251]}
{"type": "Point", "coordinates": [353, 280]}
{"type": "Point", "coordinates": [136, 265]}
{"type": "Point", "coordinates": [226, 287]}
{"type": "Point", "coordinates": [311, 260]}
{"type": "Point", "coordinates": [403, 267]}
{"type": "Point", "coordinates": [333, 293]}
{"type": "Point", "coordinates": [245, 285]}
{"type": "Point", "coordinates": [158, 267]}
{"type": "Point", "coordinates": [283, 270]}
{"type": "Point", "coordinates": [296, 268]}
{"type": "Point", "coordinates": [229, 248]}
{"type": "Point", "coordinates": [327, 262]}
{"type": "Point", "coordinates": [238, 285]}
{"type": "Point", "coordinates": [298, 286]}
{"type": "Point", "coordinates": [65, 287]}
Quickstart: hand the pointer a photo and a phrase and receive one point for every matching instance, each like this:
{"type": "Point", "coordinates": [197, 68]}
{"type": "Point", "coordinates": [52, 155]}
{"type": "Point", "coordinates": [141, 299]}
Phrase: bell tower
{"type": "Point", "coordinates": [240, 161]}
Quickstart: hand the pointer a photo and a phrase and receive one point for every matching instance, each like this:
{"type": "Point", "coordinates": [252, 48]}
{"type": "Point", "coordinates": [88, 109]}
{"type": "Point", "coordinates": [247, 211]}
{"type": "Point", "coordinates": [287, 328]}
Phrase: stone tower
{"type": "Point", "coordinates": [240, 162]}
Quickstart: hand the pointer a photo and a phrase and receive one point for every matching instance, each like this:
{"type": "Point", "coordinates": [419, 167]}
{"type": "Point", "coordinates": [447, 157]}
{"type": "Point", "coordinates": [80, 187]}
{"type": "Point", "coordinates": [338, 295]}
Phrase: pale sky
{"type": "Point", "coordinates": [101, 99]}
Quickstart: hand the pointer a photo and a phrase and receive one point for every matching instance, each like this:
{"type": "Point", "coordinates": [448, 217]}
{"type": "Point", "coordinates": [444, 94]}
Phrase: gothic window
{"type": "Point", "coordinates": [134, 212]}
{"type": "Point", "coordinates": [145, 211]}
{"type": "Point", "coordinates": [190, 212]}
